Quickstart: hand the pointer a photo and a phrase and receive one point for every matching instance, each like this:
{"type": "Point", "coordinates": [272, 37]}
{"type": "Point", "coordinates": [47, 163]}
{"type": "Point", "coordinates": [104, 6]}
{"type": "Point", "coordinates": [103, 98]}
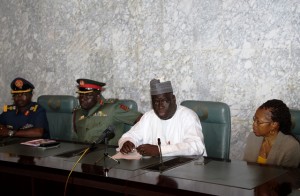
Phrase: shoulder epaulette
{"type": "Point", "coordinates": [110, 100]}
{"type": "Point", "coordinates": [76, 108]}
{"type": "Point", "coordinates": [124, 107]}
{"type": "Point", "coordinates": [9, 108]}
{"type": "Point", "coordinates": [34, 107]}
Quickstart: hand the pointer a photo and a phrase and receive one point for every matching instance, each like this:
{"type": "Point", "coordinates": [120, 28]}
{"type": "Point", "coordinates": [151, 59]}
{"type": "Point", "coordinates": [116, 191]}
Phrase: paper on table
{"type": "Point", "coordinates": [38, 142]}
{"type": "Point", "coordinates": [131, 156]}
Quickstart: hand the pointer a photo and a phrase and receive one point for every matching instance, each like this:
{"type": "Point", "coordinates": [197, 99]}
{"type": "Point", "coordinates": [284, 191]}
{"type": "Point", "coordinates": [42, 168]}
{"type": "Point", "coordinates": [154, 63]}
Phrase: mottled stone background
{"type": "Point", "coordinates": [238, 52]}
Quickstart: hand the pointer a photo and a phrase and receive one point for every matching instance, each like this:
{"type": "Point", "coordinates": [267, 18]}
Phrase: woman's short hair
{"type": "Point", "coordinates": [280, 113]}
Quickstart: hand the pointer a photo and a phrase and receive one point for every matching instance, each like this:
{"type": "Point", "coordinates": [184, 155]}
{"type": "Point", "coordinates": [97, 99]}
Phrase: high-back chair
{"type": "Point", "coordinates": [59, 110]}
{"type": "Point", "coordinates": [295, 122]}
{"type": "Point", "coordinates": [216, 126]}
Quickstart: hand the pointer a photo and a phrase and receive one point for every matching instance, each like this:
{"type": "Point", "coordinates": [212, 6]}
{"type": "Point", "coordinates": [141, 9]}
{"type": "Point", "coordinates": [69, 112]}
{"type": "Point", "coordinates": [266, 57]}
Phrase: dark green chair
{"type": "Point", "coordinates": [59, 110]}
{"type": "Point", "coordinates": [215, 119]}
{"type": "Point", "coordinates": [295, 122]}
{"type": "Point", "coordinates": [131, 104]}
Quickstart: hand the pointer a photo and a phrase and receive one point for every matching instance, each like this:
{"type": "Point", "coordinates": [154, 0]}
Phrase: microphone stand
{"type": "Point", "coordinates": [162, 166]}
{"type": "Point", "coordinates": [105, 156]}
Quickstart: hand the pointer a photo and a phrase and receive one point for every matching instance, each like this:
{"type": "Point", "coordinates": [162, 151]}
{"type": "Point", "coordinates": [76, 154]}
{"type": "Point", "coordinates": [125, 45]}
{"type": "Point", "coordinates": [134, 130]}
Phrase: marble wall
{"type": "Point", "coordinates": [238, 52]}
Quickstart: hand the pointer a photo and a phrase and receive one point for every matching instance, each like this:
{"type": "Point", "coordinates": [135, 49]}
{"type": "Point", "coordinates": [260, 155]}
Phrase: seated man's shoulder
{"type": "Point", "coordinates": [110, 104]}
{"type": "Point", "coordinates": [34, 107]}
{"type": "Point", "coordinates": [124, 107]}
{"type": "Point", "coordinates": [117, 105]}
{"type": "Point", "coordinates": [77, 108]}
{"type": "Point", "coordinates": [186, 110]}
{"type": "Point", "coordinates": [110, 101]}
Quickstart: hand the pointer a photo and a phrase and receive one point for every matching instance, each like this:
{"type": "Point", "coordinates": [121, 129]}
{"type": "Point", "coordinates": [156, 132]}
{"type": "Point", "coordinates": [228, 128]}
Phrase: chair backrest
{"type": "Point", "coordinates": [295, 122]}
{"type": "Point", "coordinates": [215, 119]}
{"type": "Point", "coordinates": [59, 110]}
{"type": "Point", "coordinates": [131, 104]}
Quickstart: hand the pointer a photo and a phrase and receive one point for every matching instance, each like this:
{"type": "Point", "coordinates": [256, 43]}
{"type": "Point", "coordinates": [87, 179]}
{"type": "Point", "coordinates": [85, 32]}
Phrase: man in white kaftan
{"type": "Point", "coordinates": [177, 127]}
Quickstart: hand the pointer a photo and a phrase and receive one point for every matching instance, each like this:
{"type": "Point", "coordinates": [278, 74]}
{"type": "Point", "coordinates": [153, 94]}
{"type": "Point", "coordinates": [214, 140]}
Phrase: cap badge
{"type": "Point", "coordinates": [81, 83]}
{"type": "Point", "coordinates": [19, 83]}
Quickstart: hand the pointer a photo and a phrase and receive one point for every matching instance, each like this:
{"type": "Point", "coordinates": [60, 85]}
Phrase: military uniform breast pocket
{"type": "Point", "coordinates": [95, 121]}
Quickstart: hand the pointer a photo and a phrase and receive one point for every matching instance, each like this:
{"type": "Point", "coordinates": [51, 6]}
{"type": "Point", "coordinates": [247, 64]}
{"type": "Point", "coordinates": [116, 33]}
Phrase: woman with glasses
{"type": "Point", "coordinates": [272, 141]}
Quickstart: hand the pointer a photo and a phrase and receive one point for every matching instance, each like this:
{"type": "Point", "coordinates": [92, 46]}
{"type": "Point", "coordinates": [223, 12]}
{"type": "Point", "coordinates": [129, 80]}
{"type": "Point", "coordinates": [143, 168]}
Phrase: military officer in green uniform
{"type": "Point", "coordinates": [96, 114]}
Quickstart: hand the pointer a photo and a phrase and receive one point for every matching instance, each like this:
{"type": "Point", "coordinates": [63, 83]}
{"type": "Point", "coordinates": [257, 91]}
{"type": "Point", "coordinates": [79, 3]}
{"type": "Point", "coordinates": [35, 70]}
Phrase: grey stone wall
{"type": "Point", "coordinates": [238, 52]}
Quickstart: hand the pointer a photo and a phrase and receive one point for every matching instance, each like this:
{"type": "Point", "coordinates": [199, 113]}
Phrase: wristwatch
{"type": "Point", "coordinates": [11, 133]}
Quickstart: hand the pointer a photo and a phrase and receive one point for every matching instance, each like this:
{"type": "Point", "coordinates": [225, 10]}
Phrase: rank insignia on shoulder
{"type": "Point", "coordinates": [76, 108]}
{"type": "Point", "coordinates": [34, 108]}
{"type": "Point", "coordinates": [5, 108]}
{"type": "Point", "coordinates": [8, 107]}
{"type": "Point", "coordinates": [111, 100]}
{"type": "Point", "coordinates": [124, 107]}
{"type": "Point", "coordinates": [81, 117]}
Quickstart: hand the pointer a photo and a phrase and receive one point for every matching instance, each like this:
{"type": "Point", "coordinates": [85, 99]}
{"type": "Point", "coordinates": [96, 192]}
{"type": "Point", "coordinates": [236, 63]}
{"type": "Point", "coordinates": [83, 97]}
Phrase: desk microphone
{"type": "Point", "coordinates": [106, 135]}
{"type": "Point", "coordinates": [160, 154]}
{"type": "Point", "coordinates": [161, 167]}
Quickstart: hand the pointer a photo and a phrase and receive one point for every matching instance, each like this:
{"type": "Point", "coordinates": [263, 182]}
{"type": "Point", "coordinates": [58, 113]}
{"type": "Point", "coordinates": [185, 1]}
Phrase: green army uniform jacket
{"type": "Point", "coordinates": [89, 125]}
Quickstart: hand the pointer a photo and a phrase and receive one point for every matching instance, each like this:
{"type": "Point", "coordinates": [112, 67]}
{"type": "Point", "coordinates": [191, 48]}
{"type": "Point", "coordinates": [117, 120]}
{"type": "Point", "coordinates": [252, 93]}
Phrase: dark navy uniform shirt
{"type": "Point", "coordinates": [35, 116]}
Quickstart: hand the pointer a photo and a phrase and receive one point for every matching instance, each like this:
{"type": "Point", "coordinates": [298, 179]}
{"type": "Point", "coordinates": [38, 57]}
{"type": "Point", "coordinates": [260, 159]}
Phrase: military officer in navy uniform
{"type": "Point", "coordinates": [24, 118]}
{"type": "Point", "coordinates": [96, 114]}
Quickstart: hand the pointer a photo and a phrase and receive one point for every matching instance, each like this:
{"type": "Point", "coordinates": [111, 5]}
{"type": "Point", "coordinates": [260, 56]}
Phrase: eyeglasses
{"type": "Point", "coordinates": [256, 122]}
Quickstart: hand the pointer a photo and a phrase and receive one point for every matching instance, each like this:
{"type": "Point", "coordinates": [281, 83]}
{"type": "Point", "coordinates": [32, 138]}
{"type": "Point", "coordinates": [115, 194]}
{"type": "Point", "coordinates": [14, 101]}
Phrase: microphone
{"type": "Point", "coordinates": [161, 167]}
{"type": "Point", "coordinates": [107, 134]}
{"type": "Point", "coordinates": [160, 154]}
